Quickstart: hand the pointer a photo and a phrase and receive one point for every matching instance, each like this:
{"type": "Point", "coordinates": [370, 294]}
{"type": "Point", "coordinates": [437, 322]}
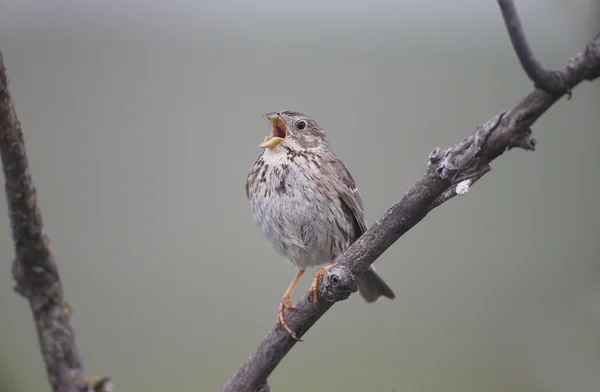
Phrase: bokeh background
{"type": "Point", "coordinates": [141, 122]}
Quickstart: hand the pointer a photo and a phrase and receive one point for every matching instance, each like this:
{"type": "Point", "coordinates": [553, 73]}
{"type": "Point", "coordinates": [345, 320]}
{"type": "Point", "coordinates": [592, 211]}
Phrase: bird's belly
{"type": "Point", "coordinates": [301, 229]}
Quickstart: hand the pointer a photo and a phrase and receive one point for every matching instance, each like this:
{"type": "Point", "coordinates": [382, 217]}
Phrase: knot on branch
{"type": "Point", "coordinates": [461, 161]}
{"type": "Point", "coordinates": [524, 141]}
{"type": "Point", "coordinates": [338, 283]}
{"type": "Point", "coordinates": [553, 82]}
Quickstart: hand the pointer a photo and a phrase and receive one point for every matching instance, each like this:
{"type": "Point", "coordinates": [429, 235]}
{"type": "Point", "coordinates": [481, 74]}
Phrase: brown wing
{"type": "Point", "coordinates": [370, 284]}
{"type": "Point", "coordinates": [349, 195]}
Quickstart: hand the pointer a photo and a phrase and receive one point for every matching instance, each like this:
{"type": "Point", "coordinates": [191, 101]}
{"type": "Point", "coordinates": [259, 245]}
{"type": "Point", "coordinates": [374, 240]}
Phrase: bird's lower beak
{"type": "Point", "coordinates": [278, 134]}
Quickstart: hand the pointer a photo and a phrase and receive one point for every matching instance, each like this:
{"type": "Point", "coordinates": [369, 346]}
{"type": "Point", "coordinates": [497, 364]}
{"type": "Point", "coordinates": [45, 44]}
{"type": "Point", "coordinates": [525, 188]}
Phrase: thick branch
{"type": "Point", "coordinates": [466, 160]}
{"type": "Point", "coordinates": [34, 269]}
{"type": "Point", "coordinates": [546, 79]}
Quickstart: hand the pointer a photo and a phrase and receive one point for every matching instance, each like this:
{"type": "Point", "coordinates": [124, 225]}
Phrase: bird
{"type": "Point", "coordinates": [305, 201]}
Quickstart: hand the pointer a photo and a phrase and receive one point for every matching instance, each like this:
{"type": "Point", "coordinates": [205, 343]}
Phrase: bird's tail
{"type": "Point", "coordinates": [371, 286]}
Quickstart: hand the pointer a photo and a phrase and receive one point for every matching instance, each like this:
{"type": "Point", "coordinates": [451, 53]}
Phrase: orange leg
{"type": "Point", "coordinates": [286, 303]}
{"type": "Point", "coordinates": [314, 287]}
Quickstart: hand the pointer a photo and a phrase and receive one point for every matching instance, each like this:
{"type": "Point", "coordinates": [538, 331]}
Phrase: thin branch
{"type": "Point", "coordinates": [466, 160]}
{"type": "Point", "coordinates": [34, 269]}
{"type": "Point", "coordinates": [548, 80]}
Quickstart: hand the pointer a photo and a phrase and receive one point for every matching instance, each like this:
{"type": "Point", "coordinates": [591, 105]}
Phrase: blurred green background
{"type": "Point", "coordinates": [142, 120]}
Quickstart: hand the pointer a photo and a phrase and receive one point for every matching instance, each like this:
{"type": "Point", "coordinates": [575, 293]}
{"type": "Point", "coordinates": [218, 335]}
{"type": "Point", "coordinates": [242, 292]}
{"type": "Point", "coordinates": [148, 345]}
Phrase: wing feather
{"type": "Point", "coordinates": [346, 187]}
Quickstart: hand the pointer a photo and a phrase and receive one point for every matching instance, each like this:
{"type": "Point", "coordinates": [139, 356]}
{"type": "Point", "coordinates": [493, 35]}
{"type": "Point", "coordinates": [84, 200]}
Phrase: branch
{"type": "Point", "coordinates": [546, 79]}
{"type": "Point", "coordinates": [449, 172]}
{"type": "Point", "coordinates": [34, 269]}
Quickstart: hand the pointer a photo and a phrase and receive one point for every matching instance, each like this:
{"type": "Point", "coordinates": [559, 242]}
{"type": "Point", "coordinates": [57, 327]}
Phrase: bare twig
{"type": "Point", "coordinates": [466, 160]}
{"type": "Point", "coordinates": [548, 80]}
{"type": "Point", "coordinates": [34, 269]}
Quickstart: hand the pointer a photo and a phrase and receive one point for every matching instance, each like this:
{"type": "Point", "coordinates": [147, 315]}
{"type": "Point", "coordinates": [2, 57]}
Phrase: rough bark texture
{"type": "Point", "coordinates": [34, 268]}
{"type": "Point", "coordinates": [449, 172]}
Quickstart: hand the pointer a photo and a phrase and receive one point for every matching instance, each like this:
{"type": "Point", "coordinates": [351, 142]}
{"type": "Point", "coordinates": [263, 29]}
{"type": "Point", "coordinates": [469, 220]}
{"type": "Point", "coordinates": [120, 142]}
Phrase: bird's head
{"type": "Point", "coordinates": [293, 130]}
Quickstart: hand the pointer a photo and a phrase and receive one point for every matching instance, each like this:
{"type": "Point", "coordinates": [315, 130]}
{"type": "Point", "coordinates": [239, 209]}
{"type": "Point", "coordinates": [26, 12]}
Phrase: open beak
{"type": "Point", "coordinates": [279, 131]}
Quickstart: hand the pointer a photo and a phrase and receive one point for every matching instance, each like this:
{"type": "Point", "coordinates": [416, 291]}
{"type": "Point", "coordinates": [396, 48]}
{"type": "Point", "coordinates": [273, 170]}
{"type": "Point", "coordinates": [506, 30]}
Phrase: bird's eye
{"type": "Point", "coordinates": [301, 125]}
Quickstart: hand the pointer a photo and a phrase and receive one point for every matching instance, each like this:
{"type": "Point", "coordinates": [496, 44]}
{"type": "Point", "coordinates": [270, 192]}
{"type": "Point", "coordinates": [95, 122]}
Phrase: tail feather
{"type": "Point", "coordinates": [371, 286]}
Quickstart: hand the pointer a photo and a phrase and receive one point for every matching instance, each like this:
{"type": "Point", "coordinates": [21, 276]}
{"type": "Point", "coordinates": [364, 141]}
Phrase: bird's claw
{"type": "Point", "coordinates": [314, 287]}
{"type": "Point", "coordinates": [286, 303]}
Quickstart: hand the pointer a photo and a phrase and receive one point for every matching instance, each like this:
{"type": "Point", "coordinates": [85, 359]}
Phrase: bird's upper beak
{"type": "Point", "coordinates": [279, 131]}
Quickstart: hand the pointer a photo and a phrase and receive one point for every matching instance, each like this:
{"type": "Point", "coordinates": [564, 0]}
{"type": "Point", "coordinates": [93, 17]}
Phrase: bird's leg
{"type": "Point", "coordinates": [314, 288]}
{"type": "Point", "coordinates": [286, 303]}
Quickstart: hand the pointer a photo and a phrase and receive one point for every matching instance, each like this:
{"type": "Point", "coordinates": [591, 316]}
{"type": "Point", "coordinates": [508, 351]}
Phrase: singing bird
{"type": "Point", "coordinates": [305, 202]}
